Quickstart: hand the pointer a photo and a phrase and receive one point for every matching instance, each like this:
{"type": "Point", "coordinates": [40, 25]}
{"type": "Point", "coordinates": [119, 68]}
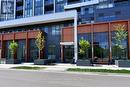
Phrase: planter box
{"type": "Point", "coordinates": [83, 63]}
{"type": "Point", "coordinates": [43, 61]}
{"type": "Point", "coordinates": [122, 63]}
{"type": "Point", "coordinates": [13, 61]}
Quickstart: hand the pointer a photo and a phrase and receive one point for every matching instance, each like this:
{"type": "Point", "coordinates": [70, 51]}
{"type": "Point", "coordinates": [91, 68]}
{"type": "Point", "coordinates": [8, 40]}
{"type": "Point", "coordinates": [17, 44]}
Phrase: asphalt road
{"type": "Point", "coordinates": [12, 78]}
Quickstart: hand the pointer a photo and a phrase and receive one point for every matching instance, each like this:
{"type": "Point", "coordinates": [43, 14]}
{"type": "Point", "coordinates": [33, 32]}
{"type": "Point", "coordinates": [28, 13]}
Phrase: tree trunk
{"type": "Point", "coordinates": [39, 53]}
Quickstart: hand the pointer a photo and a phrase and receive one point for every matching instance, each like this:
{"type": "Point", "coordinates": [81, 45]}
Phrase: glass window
{"type": "Point", "coordinates": [38, 9]}
{"type": "Point", "coordinates": [21, 50]}
{"type": "Point", "coordinates": [60, 5]}
{"type": "Point", "coordinates": [101, 47]}
{"type": "Point", "coordinates": [7, 10]}
{"type": "Point", "coordinates": [86, 37]}
{"type": "Point", "coordinates": [52, 49]}
{"type": "Point", "coordinates": [56, 30]}
{"type": "Point", "coordinates": [33, 50]}
{"type": "Point", "coordinates": [7, 51]}
{"type": "Point", "coordinates": [118, 53]}
{"type": "Point", "coordinates": [28, 8]}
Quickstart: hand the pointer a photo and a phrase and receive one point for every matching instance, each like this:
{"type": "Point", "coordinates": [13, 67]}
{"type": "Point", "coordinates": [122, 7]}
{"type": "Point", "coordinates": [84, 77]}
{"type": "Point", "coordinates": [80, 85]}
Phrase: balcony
{"type": "Point", "coordinates": [73, 1]}
{"type": "Point", "coordinates": [19, 2]}
{"type": "Point", "coordinates": [19, 8]}
{"type": "Point", "coordinates": [124, 3]}
{"type": "Point", "coordinates": [116, 1]}
{"type": "Point", "coordinates": [49, 2]}
{"type": "Point", "coordinates": [81, 4]}
{"type": "Point", "coordinates": [49, 18]}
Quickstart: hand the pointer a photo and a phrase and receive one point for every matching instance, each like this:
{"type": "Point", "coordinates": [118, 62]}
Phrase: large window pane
{"type": "Point", "coordinates": [101, 47]}
{"type": "Point", "coordinates": [86, 37]}
{"type": "Point", "coordinates": [33, 50]}
{"type": "Point", "coordinates": [7, 50]}
{"type": "Point", "coordinates": [38, 7]}
{"type": "Point", "coordinates": [28, 8]}
{"type": "Point", "coordinates": [21, 50]}
{"type": "Point", "coordinates": [118, 53]}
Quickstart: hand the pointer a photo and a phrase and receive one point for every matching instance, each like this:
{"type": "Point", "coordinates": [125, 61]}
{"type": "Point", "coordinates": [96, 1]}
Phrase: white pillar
{"type": "Point", "coordinates": [24, 3]}
{"type": "Point", "coordinates": [0, 9]}
{"type": "Point", "coordinates": [75, 39]}
{"type": "Point", "coordinates": [43, 6]}
{"type": "Point", "coordinates": [54, 2]}
{"type": "Point", "coordinates": [14, 9]}
{"type": "Point", "coordinates": [33, 8]}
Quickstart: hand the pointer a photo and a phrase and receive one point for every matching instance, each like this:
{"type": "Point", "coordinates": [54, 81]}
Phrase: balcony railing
{"type": "Point", "coordinates": [19, 1]}
{"type": "Point", "coordinates": [19, 8]}
{"type": "Point", "coordinates": [74, 2]}
{"type": "Point", "coordinates": [49, 2]}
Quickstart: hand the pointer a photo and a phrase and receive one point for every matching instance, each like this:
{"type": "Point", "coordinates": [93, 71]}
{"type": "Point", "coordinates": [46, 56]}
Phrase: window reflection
{"type": "Point", "coordinates": [101, 47]}
{"type": "Point", "coordinates": [38, 10]}
{"type": "Point", "coordinates": [118, 53]}
{"type": "Point", "coordinates": [28, 8]}
{"type": "Point", "coordinates": [86, 37]}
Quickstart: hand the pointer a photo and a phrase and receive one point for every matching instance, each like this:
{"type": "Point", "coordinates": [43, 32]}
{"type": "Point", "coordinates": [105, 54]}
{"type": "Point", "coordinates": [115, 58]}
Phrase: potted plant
{"type": "Point", "coordinates": [13, 47]}
{"type": "Point", "coordinates": [120, 35]}
{"type": "Point", "coordinates": [83, 53]}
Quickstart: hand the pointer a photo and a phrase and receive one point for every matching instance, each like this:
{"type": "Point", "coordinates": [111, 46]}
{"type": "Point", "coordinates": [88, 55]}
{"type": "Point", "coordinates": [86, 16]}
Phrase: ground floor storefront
{"type": "Point", "coordinates": [25, 37]}
{"type": "Point", "coordinates": [26, 51]}
{"type": "Point", "coordinates": [60, 42]}
{"type": "Point", "coordinates": [103, 47]}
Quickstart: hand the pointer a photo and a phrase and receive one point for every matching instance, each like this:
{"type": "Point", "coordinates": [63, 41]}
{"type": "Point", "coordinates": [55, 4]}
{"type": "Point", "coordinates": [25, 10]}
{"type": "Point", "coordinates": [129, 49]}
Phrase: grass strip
{"type": "Point", "coordinates": [99, 70]}
{"type": "Point", "coordinates": [28, 67]}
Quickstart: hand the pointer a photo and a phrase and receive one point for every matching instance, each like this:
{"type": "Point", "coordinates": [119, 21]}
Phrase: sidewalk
{"type": "Point", "coordinates": [62, 67]}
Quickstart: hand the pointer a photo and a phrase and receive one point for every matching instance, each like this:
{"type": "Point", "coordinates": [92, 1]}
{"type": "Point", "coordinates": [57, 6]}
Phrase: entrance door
{"type": "Point", "coordinates": [68, 54]}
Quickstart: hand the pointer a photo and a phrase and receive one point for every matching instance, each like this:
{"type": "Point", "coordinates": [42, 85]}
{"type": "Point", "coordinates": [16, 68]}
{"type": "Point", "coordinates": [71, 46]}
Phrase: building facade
{"type": "Point", "coordinates": [20, 20]}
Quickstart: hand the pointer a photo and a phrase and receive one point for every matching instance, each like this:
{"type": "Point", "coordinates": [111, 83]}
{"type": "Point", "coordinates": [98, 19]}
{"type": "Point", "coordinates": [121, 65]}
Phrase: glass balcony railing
{"type": "Point", "coordinates": [48, 12]}
{"type": "Point", "coordinates": [19, 8]}
{"type": "Point", "coordinates": [19, 1]}
{"type": "Point", "coordinates": [74, 2]}
{"type": "Point", "coordinates": [49, 2]}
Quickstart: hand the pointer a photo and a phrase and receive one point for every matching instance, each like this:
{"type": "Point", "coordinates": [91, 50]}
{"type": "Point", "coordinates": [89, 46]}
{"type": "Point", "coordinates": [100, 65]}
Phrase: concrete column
{"type": "Point", "coordinates": [75, 39]}
{"type": "Point", "coordinates": [2, 48]}
{"type": "Point", "coordinates": [14, 9]}
{"type": "Point", "coordinates": [62, 52]}
{"type": "Point", "coordinates": [54, 2]}
{"type": "Point", "coordinates": [23, 8]}
{"type": "Point", "coordinates": [26, 48]}
{"type": "Point", "coordinates": [110, 41]}
{"type": "Point", "coordinates": [43, 6]}
{"type": "Point", "coordinates": [129, 40]}
{"type": "Point", "coordinates": [33, 8]}
{"type": "Point", "coordinates": [92, 31]}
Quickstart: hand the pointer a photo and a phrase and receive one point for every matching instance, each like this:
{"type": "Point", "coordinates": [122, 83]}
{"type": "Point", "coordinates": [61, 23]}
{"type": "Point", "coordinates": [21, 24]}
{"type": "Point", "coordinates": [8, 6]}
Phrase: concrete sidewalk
{"type": "Point", "coordinates": [63, 67]}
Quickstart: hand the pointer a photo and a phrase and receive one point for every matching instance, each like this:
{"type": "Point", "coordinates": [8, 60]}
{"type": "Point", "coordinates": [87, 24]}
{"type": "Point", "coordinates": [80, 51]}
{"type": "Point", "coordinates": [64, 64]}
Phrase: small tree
{"type": "Point", "coordinates": [84, 45]}
{"type": "Point", "coordinates": [120, 35]}
{"type": "Point", "coordinates": [13, 47]}
{"type": "Point", "coordinates": [40, 40]}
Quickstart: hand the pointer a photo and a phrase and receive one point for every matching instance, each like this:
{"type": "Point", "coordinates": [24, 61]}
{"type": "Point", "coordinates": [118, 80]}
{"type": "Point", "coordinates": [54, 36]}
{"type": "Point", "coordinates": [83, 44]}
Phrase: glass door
{"type": "Point", "coordinates": [68, 54]}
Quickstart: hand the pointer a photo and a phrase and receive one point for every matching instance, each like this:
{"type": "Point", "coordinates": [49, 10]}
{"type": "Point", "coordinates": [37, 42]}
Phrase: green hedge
{"type": "Point", "coordinates": [28, 68]}
{"type": "Point", "coordinates": [99, 70]}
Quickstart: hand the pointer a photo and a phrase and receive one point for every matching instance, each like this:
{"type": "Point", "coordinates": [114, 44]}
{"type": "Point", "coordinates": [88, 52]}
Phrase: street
{"type": "Point", "coordinates": [15, 78]}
